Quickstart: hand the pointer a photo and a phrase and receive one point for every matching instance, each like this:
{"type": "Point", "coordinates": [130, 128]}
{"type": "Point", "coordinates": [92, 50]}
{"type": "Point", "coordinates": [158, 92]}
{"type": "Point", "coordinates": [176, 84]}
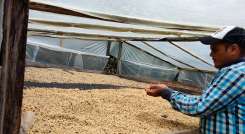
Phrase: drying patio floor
{"type": "Point", "coordinates": [73, 102]}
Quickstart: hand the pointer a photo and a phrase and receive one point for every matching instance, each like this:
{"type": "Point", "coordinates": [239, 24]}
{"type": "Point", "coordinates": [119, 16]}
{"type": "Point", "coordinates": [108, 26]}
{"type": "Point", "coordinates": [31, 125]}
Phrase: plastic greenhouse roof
{"type": "Point", "coordinates": [72, 21]}
{"type": "Point", "coordinates": [73, 31]}
{"type": "Point", "coordinates": [215, 12]}
{"type": "Point", "coordinates": [150, 20]}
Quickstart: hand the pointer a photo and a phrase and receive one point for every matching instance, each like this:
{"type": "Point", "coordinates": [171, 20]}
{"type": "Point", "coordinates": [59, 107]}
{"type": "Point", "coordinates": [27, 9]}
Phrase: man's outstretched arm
{"type": "Point", "coordinates": [222, 92]}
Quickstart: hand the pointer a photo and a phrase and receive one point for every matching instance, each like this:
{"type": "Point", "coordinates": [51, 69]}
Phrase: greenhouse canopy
{"type": "Point", "coordinates": [151, 40]}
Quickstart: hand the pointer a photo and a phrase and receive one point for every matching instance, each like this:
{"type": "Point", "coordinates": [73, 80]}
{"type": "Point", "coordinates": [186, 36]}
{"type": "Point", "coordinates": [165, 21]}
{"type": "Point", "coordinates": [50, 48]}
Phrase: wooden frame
{"type": "Point", "coordinates": [15, 20]}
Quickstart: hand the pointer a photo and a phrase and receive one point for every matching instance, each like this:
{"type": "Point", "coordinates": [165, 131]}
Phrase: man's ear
{"type": "Point", "coordinates": [234, 49]}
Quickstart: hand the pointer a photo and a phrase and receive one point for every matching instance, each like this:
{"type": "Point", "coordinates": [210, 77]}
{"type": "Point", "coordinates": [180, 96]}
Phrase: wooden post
{"type": "Point", "coordinates": [15, 20]}
{"type": "Point", "coordinates": [119, 56]}
{"type": "Point", "coordinates": [61, 43]}
{"type": "Point", "coordinates": [108, 48]}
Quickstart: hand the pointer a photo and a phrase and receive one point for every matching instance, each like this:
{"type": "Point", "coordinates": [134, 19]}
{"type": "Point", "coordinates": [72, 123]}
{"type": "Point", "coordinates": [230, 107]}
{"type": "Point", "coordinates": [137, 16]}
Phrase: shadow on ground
{"type": "Point", "coordinates": [164, 122]}
{"type": "Point", "coordinates": [81, 86]}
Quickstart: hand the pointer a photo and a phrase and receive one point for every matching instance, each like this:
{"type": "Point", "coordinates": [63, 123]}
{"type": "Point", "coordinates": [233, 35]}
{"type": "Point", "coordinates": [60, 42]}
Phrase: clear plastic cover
{"type": "Point", "coordinates": [55, 55]}
{"type": "Point", "coordinates": [179, 11]}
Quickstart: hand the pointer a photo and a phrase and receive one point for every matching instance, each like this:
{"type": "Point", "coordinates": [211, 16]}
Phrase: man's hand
{"type": "Point", "coordinates": [155, 89]}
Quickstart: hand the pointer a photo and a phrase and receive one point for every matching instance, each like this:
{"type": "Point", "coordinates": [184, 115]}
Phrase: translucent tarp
{"type": "Point", "coordinates": [114, 49]}
{"type": "Point", "coordinates": [146, 72]}
{"type": "Point", "coordinates": [67, 20]}
{"type": "Point", "coordinates": [138, 64]}
{"type": "Point", "coordinates": [173, 55]}
{"type": "Point", "coordinates": [200, 79]}
{"type": "Point", "coordinates": [55, 55]}
{"type": "Point", "coordinates": [83, 32]}
{"type": "Point", "coordinates": [140, 60]}
{"type": "Point", "coordinates": [215, 12]}
{"type": "Point", "coordinates": [31, 52]}
{"type": "Point", "coordinates": [130, 53]}
{"type": "Point", "coordinates": [158, 54]}
{"type": "Point", "coordinates": [166, 52]}
{"type": "Point", "coordinates": [141, 64]}
{"type": "Point", "coordinates": [87, 46]}
{"type": "Point", "coordinates": [135, 62]}
{"type": "Point", "coordinates": [194, 47]}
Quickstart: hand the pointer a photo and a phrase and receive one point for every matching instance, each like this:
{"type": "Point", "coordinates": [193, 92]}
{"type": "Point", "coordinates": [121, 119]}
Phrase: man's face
{"type": "Point", "coordinates": [219, 54]}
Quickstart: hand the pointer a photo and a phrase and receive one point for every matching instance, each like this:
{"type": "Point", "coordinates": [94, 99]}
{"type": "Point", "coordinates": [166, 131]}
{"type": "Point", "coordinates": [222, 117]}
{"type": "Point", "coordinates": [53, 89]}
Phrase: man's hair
{"type": "Point", "coordinates": [242, 47]}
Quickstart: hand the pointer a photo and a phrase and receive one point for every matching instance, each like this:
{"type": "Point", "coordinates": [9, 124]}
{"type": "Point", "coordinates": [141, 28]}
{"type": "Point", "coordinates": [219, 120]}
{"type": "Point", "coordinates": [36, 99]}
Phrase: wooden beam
{"type": "Point", "coordinates": [15, 20]}
{"type": "Point", "coordinates": [60, 10]}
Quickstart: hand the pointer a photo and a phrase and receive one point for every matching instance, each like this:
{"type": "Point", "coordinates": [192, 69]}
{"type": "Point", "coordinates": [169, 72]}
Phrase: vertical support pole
{"type": "Point", "coordinates": [15, 20]}
{"type": "Point", "coordinates": [108, 48]}
{"type": "Point", "coordinates": [119, 56]}
{"type": "Point", "coordinates": [61, 42]}
{"type": "Point", "coordinates": [1, 26]}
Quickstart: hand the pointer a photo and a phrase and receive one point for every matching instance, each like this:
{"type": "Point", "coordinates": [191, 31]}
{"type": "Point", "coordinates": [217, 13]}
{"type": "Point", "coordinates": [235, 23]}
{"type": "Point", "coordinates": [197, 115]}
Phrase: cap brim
{"type": "Point", "coordinates": [208, 40]}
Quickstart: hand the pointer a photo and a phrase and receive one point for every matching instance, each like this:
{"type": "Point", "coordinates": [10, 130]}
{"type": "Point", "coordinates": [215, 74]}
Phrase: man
{"type": "Point", "coordinates": [221, 106]}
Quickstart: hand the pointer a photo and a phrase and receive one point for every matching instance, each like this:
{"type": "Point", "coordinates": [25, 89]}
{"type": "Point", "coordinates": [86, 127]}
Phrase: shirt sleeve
{"type": "Point", "coordinates": [226, 88]}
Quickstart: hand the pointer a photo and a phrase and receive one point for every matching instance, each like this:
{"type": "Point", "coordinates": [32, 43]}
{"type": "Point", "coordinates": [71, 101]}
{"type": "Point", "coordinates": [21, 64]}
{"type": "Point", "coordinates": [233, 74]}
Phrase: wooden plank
{"type": "Point", "coordinates": [60, 10]}
{"type": "Point", "coordinates": [15, 22]}
{"type": "Point", "coordinates": [0, 71]}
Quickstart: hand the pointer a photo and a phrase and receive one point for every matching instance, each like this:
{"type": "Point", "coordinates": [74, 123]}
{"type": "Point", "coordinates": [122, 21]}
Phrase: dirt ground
{"type": "Point", "coordinates": [72, 102]}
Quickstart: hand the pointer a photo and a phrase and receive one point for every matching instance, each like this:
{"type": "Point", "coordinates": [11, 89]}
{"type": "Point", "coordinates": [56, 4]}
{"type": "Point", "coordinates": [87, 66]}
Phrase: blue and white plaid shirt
{"type": "Point", "coordinates": [221, 107]}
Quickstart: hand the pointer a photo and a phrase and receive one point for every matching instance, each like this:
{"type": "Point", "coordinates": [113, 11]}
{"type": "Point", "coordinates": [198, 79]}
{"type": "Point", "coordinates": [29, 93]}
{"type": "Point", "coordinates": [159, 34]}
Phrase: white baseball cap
{"type": "Point", "coordinates": [229, 34]}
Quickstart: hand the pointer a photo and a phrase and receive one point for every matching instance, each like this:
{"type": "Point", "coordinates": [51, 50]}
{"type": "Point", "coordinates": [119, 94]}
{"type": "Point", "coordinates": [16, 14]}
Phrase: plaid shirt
{"type": "Point", "coordinates": [221, 107]}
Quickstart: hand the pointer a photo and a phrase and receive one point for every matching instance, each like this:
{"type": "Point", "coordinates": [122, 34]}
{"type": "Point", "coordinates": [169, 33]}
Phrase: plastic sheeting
{"type": "Point", "coordinates": [135, 62]}
{"type": "Point", "coordinates": [150, 50]}
{"type": "Point", "coordinates": [92, 33]}
{"type": "Point", "coordinates": [88, 23]}
{"type": "Point", "coordinates": [48, 54]}
{"type": "Point", "coordinates": [92, 47]}
{"type": "Point", "coordinates": [194, 47]}
{"type": "Point", "coordinates": [138, 64]}
{"type": "Point", "coordinates": [147, 72]}
{"type": "Point", "coordinates": [114, 49]}
{"type": "Point", "coordinates": [200, 79]}
{"type": "Point", "coordinates": [130, 53]}
{"type": "Point", "coordinates": [40, 16]}
{"type": "Point", "coordinates": [215, 12]}
{"type": "Point", "coordinates": [31, 52]}
{"type": "Point", "coordinates": [155, 61]}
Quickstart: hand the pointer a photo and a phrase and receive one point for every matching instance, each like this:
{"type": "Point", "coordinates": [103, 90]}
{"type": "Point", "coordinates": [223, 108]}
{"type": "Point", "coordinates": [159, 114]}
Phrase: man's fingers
{"type": "Point", "coordinates": [148, 91]}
